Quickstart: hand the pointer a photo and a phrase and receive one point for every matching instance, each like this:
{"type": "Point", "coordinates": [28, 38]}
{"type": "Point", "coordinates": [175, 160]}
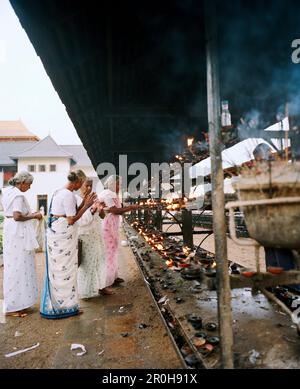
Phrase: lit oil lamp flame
{"type": "Point", "coordinates": [186, 249]}
{"type": "Point", "coordinates": [169, 262]}
{"type": "Point", "coordinates": [190, 141]}
{"type": "Point", "coordinates": [214, 264]}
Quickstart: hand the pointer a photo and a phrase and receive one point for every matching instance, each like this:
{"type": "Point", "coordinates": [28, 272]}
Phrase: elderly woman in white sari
{"type": "Point", "coordinates": [59, 298]}
{"type": "Point", "coordinates": [91, 273]}
{"type": "Point", "coordinates": [19, 244]}
{"type": "Point", "coordinates": [110, 228]}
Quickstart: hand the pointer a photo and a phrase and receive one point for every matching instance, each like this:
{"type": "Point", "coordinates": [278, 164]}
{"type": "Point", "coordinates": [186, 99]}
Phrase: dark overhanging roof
{"type": "Point", "coordinates": [132, 73]}
{"type": "Point", "coordinates": [127, 71]}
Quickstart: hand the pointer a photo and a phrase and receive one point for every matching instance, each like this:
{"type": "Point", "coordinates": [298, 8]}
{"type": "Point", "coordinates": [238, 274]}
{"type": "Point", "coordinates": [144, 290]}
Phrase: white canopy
{"type": "Point", "coordinates": [239, 153]}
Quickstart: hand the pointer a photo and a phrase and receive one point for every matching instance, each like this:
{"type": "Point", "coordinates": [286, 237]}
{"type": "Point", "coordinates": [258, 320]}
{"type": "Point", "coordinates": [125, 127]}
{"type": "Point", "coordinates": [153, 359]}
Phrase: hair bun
{"type": "Point", "coordinates": [72, 177]}
{"type": "Point", "coordinates": [12, 182]}
{"type": "Point", "coordinates": [76, 175]}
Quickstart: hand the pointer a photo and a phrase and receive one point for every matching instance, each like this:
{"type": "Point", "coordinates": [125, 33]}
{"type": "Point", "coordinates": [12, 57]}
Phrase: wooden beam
{"type": "Point", "coordinates": [214, 122]}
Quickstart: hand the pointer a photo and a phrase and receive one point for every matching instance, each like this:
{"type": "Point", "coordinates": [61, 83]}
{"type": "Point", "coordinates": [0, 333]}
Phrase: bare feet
{"type": "Point", "coordinates": [106, 291]}
{"type": "Point", "coordinates": [17, 314]}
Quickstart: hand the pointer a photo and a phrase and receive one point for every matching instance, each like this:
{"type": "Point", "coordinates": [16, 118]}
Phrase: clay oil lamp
{"type": "Point", "coordinates": [186, 350]}
{"type": "Point", "coordinates": [234, 269]}
{"type": "Point", "coordinates": [198, 342]}
{"type": "Point", "coordinates": [197, 288]}
{"type": "Point", "coordinates": [206, 349]}
{"type": "Point", "coordinates": [195, 320]}
{"type": "Point", "coordinates": [205, 261]}
{"type": "Point", "coordinates": [191, 273]}
{"type": "Point", "coordinates": [201, 254]}
{"type": "Point", "coordinates": [248, 273]}
{"type": "Point", "coordinates": [191, 360]}
{"type": "Point", "coordinates": [214, 340]}
{"type": "Point", "coordinates": [201, 334]}
{"type": "Point", "coordinates": [211, 326]}
{"type": "Point", "coordinates": [275, 270]}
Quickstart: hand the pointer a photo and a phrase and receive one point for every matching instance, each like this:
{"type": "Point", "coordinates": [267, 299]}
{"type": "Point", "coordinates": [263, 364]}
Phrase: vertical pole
{"type": "Point", "coordinates": [187, 228]}
{"type": "Point", "coordinates": [217, 178]}
{"type": "Point", "coordinates": [158, 220]}
{"type": "Point", "coordinates": [286, 134]}
{"type": "Point", "coordinates": [158, 212]}
{"type": "Point", "coordinates": [186, 216]}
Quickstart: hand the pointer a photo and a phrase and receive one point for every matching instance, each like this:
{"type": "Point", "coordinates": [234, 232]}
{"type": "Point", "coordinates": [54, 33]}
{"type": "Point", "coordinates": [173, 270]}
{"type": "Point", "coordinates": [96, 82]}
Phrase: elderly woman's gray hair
{"type": "Point", "coordinates": [20, 178]}
{"type": "Point", "coordinates": [111, 182]}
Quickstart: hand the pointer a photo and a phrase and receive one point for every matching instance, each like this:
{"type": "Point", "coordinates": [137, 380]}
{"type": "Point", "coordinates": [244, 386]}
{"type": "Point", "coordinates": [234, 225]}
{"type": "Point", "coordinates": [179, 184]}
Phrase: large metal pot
{"type": "Point", "coordinates": [272, 216]}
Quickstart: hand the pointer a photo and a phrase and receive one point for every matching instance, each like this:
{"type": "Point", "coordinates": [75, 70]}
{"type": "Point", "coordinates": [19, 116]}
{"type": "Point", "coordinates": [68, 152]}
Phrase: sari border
{"type": "Point", "coordinates": [52, 313]}
{"type": "Point", "coordinates": [60, 315]}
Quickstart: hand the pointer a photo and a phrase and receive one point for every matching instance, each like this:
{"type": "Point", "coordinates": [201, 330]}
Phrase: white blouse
{"type": "Point", "coordinates": [64, 203]}
{"type": "Point", "coordinates": [107, 197]}
{"type": "Point", "coordinates": [85, 223]}
{"type": "Point", "coordinates": [17, 205]}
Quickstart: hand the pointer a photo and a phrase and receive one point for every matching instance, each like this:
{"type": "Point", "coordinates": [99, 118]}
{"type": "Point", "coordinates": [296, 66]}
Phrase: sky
{"type": "Point", "coordinates": [26, 91]}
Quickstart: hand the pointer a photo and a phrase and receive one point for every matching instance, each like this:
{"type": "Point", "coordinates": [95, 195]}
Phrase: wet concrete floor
{"type": "Point", "coordinates": [110, 329]}
{"type": "Point", "coordinates": [264, 336]}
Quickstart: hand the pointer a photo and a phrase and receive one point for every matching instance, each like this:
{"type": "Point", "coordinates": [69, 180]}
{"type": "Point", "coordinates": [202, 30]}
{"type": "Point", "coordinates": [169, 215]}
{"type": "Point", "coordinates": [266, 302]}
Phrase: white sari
{"type": "Point", "coordinates": [92, 271]}
{"type": "Point", "coordinates": [19, 244]}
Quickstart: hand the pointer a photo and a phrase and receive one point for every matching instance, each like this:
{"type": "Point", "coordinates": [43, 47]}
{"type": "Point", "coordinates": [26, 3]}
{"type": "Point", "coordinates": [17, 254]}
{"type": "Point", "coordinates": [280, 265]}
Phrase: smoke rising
{"type": "Point", "coordinates": [256, 70]}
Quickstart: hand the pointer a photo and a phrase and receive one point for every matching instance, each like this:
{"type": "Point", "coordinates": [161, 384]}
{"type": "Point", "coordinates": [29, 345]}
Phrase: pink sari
{"type": "Point", "coordinates": [110, 235]}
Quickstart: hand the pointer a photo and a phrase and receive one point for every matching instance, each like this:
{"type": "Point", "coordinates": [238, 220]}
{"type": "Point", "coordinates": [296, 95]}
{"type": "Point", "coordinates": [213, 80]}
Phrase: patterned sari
{"type": "Point", "coordinates": [59, 296]}
{"type": "Point", "coordinates": [110, 235]}
{"type": "Point", "coordinates": [92, 271]}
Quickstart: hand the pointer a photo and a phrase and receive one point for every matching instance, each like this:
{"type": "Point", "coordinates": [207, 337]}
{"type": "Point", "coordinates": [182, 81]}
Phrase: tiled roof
{"type": "Point", "coordinates": [15, 129]}
{"type": "Point", "coordinates": [47, 147]}
{"type": "Point", "coordinates": [7, 149]}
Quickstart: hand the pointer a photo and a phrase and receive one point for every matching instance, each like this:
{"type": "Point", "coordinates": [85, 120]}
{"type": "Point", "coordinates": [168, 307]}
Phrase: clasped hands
{"type": "Point", "coordinates": [98, 206]}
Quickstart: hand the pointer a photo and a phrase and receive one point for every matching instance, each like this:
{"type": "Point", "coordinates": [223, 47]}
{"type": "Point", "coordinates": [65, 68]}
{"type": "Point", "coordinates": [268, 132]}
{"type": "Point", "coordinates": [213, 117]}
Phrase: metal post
{"type": "Point", "coordinates": [146, 216]}
{"type": "Point", "coordinates": [158, 212]}
{"type": "Point", "coordinates": [187, 228]}
{"type": "Point", "coordinates": [158, 220]}
{"type": "Point", "coordinates": [217, 178]}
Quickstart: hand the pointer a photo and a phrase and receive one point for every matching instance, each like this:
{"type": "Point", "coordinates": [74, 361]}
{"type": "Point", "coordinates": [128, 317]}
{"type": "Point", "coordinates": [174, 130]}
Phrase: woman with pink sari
{"type": "Point", "coordinates": [110, 230]}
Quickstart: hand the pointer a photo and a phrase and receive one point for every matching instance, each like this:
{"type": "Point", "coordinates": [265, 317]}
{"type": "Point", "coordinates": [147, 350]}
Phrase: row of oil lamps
{"type": "Point", "coordinates": [181, 256]}
{"type": "Point", "coordinates": [168, 204]}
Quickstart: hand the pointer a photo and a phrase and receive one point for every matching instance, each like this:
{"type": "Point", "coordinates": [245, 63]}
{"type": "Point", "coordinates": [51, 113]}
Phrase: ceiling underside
{"type": "Point", "coordinates": [132, 74]}
{"type": "Point", "coordinates": [127, 71]}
